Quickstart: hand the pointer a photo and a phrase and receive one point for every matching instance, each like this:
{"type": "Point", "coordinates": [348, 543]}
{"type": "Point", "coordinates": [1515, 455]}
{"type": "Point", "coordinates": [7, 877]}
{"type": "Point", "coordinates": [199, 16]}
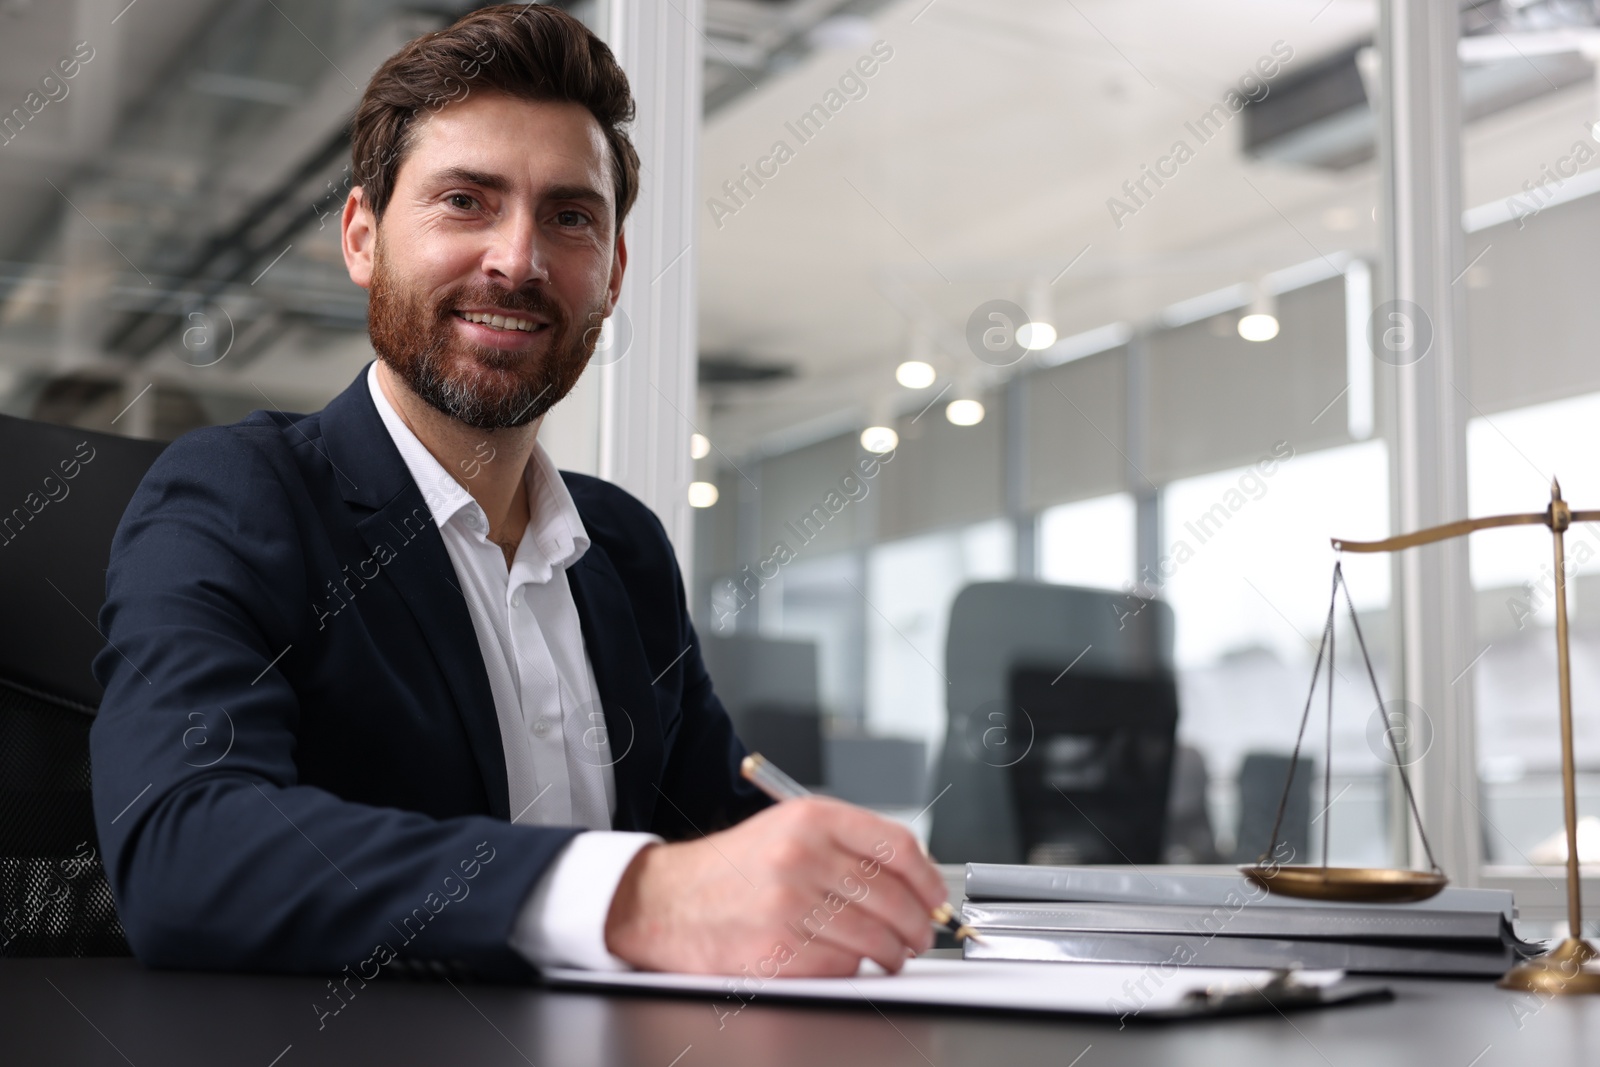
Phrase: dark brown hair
{"type": "Point", "coordinates": [529, 51]}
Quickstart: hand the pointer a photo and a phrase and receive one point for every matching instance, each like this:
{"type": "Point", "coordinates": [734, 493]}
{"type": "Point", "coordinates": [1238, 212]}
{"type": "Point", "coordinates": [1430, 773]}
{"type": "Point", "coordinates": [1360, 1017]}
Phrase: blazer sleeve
{"type": "Point", "coordinates": [218, 857]}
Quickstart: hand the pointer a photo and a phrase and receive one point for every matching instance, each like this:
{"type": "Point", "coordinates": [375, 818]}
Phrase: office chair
{"type": "Point", "coordinates": [62, 493]}
{"type": "Point", "coordinates": [1093, 785]}
{"type": "Point", "coordinates": [770, 688]}
{"type": "Point", "coordinates": [1261, 779]}
{"type": "Point", "coordinates": [1190, 838]}
{"type": "Point", "coordinates": [789, 735]}
{"type": "Point", "coordinates": [994, 628]}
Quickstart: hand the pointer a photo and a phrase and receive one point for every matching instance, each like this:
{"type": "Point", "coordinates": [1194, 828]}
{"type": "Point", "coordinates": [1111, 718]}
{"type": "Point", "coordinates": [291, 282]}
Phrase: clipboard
{"type": "Point", "coordinates": [1126, 992]}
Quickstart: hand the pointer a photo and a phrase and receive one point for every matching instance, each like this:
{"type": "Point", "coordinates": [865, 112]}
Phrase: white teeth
{"type": "Point", "coordinates": [499, 322]}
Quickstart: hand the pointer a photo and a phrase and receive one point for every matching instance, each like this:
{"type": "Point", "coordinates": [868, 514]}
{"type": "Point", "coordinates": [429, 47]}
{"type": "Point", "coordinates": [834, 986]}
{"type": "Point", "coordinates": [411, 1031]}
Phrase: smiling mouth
{"type": "Point", "coordinates": [501, 321]}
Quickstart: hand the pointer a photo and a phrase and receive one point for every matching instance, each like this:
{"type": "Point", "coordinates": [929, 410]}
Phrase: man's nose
{"type": "Point", "coordinates": [515, 256]}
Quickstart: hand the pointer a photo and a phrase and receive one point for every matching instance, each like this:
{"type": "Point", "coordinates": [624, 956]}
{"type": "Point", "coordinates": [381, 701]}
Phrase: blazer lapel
{"type": "Point", "coordinates": [373, 477]}
{"type": "Point", "coordinates": [622, 673]}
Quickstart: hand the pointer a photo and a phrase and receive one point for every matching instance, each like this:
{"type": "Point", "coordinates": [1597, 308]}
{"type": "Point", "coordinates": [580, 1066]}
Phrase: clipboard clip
{"type": "Point", "coordinates": [1284, 988]}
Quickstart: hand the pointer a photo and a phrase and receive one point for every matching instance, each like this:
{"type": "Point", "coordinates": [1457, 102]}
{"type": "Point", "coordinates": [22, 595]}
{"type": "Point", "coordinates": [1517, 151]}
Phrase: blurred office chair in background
{"type": "Point", "coordinates": [1092, 787]}
{"type": "Point", "coordinates": [1261, 779]}
{"type": "Point", "coordinates": [62, 493]}
{"type": "Point", "coordinates": [877, 772]}
{"type": "Point", "coordinates": [791, 735]}
{"type": "Point", "coordinates": [769, 686]}
{"type": "Point", "coordinates": [92, 400]}
{"type": "Point", "coordinates": [1190, 837]}
{"type": "Point", "coordinates": [996, 627]}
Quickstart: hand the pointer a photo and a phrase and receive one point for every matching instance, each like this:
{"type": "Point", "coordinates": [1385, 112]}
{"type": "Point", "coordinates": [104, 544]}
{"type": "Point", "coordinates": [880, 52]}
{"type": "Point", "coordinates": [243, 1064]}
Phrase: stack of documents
{"type": "Point", "coordinates": [1127, 915]}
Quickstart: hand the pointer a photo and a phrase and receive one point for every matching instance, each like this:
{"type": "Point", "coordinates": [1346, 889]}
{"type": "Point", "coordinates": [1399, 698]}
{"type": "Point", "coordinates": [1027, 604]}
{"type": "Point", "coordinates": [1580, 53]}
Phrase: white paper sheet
{"type": "Point", "coordinates": [1081, 988]}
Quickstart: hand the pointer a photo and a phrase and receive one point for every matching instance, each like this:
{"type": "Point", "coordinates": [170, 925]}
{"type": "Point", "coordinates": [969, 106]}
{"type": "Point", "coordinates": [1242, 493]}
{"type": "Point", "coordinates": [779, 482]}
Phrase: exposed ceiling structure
{"type": "Point", "coordinates": [174, 203]}
{"type": "Point", "coordinates": [184, 190]}
{"type": "Point", "coordinates": [749, 41]}
{"type": "Point", "coordinates": [181, 191]}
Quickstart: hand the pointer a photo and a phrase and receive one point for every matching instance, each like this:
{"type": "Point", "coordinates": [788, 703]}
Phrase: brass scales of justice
{"type": "Point", "coordinates": [1571, 967]}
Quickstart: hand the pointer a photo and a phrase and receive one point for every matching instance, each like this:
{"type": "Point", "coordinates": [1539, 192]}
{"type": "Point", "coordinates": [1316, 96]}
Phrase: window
{"type": "Point", "coordinates": [1089, 542]}
{"type": "Point", "coordinates": [910, 587]}
{"type": "Point", "coordinates": [1247, 575]}
{"type": "Point", "coordinates": [1511, 457]}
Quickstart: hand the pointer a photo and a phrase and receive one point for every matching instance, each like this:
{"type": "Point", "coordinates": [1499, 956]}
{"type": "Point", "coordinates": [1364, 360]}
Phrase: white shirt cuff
{"type": "Point", "coordinates": [563, 921]}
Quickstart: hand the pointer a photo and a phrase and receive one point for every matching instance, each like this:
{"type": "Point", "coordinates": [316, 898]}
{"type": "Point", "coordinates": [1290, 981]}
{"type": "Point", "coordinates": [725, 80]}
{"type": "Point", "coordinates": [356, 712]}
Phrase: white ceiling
{"type": "Point", "coordinates": [982, 157]}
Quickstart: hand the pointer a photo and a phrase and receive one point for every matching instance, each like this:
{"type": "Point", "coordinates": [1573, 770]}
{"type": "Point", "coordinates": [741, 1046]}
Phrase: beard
{"type": "Point", "coordinates": [485, 388]}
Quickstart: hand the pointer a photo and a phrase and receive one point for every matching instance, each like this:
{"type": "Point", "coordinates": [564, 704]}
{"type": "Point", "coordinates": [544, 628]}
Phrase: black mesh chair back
{"type": "Point", "coordinates": [62, 493]}
{"type": "Point", "coordinates": [996, 627]}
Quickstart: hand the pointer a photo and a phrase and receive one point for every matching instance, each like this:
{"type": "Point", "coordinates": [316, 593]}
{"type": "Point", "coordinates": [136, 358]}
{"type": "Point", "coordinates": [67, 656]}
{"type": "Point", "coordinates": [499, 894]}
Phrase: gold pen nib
{"type": "Point", "coordinates": [945, 916]}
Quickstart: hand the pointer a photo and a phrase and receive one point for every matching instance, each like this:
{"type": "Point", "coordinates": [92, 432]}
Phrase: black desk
{"type": "Point", "coordinates": [114, 1012]}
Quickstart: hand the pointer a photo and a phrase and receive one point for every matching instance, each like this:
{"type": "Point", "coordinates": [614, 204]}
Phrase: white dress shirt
{"type": "Point", "coordinates": [552, 728]}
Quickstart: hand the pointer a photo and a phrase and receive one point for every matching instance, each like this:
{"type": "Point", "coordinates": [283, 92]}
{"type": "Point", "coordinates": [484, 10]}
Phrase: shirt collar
{"type": "Point", "coordinates": [555, 529]}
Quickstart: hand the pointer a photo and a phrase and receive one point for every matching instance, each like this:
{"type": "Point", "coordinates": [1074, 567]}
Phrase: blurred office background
{"type": "Point", "coordinates": [1182, 401]}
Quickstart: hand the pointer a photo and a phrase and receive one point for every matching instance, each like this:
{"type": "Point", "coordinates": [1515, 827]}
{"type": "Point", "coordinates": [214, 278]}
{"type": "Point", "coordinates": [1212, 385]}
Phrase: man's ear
{"type": "Point", "coordinates": [358, 237]}
{"type": "Point", "coordinates": [619, 264]}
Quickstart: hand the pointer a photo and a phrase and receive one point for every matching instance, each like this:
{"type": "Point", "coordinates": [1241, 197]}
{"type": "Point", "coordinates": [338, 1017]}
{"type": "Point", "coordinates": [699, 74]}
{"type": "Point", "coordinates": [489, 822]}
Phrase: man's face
{"type": "Point", "coordinates": [496, 260]}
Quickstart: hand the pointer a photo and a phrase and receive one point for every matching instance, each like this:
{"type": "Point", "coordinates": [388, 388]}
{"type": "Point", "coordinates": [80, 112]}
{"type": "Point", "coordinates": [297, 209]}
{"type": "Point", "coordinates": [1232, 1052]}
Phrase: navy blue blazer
{"type": "Point", "coordinates": [297, 763]}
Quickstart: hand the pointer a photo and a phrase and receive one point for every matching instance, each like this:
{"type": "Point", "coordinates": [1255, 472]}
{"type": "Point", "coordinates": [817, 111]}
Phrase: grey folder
{"type": "Point", "coordinates": [1128, 885]}
{"type": "Point", "coordinates": [1253, 918]}
{"type": "Point", "coordinates": [1439, 958]}
{"type": "Point", "coordinates": [1125, 915]}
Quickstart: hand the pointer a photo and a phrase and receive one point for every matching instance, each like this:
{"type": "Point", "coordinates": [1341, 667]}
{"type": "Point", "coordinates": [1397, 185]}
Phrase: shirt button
{"type": "Point", "coordinates": [516, 598]}
{"type": "Point", "coordinates": [540, 727]}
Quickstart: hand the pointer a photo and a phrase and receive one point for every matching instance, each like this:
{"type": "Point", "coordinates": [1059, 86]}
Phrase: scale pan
{"type": "Point", "coordinates": [1354, 885]}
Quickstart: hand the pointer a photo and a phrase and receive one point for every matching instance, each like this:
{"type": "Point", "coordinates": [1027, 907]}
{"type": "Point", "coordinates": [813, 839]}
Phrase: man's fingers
{"type": "Point", "coordinates": [820, 959]}
{"type": "Point", "coordinates": [854, 930]}
{"type": "Point", "coordinates": [881, 843]}
{"type": "Point", "coordinates": [891, 902]}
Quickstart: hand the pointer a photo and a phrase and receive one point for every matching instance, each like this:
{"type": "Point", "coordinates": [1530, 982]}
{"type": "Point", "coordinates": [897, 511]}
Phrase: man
{"type": "Point", "coordinates": [381, 682]}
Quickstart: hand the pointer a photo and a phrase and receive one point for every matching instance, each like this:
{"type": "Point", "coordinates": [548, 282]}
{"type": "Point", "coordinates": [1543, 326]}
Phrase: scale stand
{"type": "Point", "coordinates": [1571, 966]}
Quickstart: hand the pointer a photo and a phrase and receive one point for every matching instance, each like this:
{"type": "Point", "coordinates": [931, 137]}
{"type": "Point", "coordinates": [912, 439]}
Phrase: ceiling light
{"type": "Point", "coordinates": [1035, 336]}
{"type": "Point", "coordinates": [879, 439]}
{"type": "Point", "coordinates": [699, 446]}
{"type": "Point", "coordinates": [702, 494]}
{"type": "Point", "coordinates": [1260, 323]}
{"type": "Point", "coordinates": [1037, 333]}
{"type": "Point", "coordinates": [1258, 327]}
{"type": "Point", "coordinates": [915, 374]}
{"type": "Point", "coordinates": [964, 412]}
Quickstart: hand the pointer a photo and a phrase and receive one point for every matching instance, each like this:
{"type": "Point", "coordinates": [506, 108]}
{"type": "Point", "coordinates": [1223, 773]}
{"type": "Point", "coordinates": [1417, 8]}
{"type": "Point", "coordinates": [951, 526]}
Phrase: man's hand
{"type": "Point", "coordinates": [807, 887]}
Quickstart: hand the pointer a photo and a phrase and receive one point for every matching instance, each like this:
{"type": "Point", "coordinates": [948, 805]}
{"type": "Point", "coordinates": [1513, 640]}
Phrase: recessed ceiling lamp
{"type": "Point", "coordinates": [915, 374]}
{"type": "Point", "coordinates": [964, 411]}
{"type": "Point", "coordinates": [1260, 322]}
{"type": "Point", "coordinates": [879, 439]}
{"type": "Point", "coordinates": [702, 494]}
{"type": "Point", "coordinates": [699, 446]}
{"type": "Point", "coordinates": [1038, 333]}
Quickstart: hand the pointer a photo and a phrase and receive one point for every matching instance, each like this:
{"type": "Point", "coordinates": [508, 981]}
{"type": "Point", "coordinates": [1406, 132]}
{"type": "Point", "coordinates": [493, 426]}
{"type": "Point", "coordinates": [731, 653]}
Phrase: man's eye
{"type": "Point", "coordinates": [572, 218]}
{"type": "Point", "coordinates": [461, 201]}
